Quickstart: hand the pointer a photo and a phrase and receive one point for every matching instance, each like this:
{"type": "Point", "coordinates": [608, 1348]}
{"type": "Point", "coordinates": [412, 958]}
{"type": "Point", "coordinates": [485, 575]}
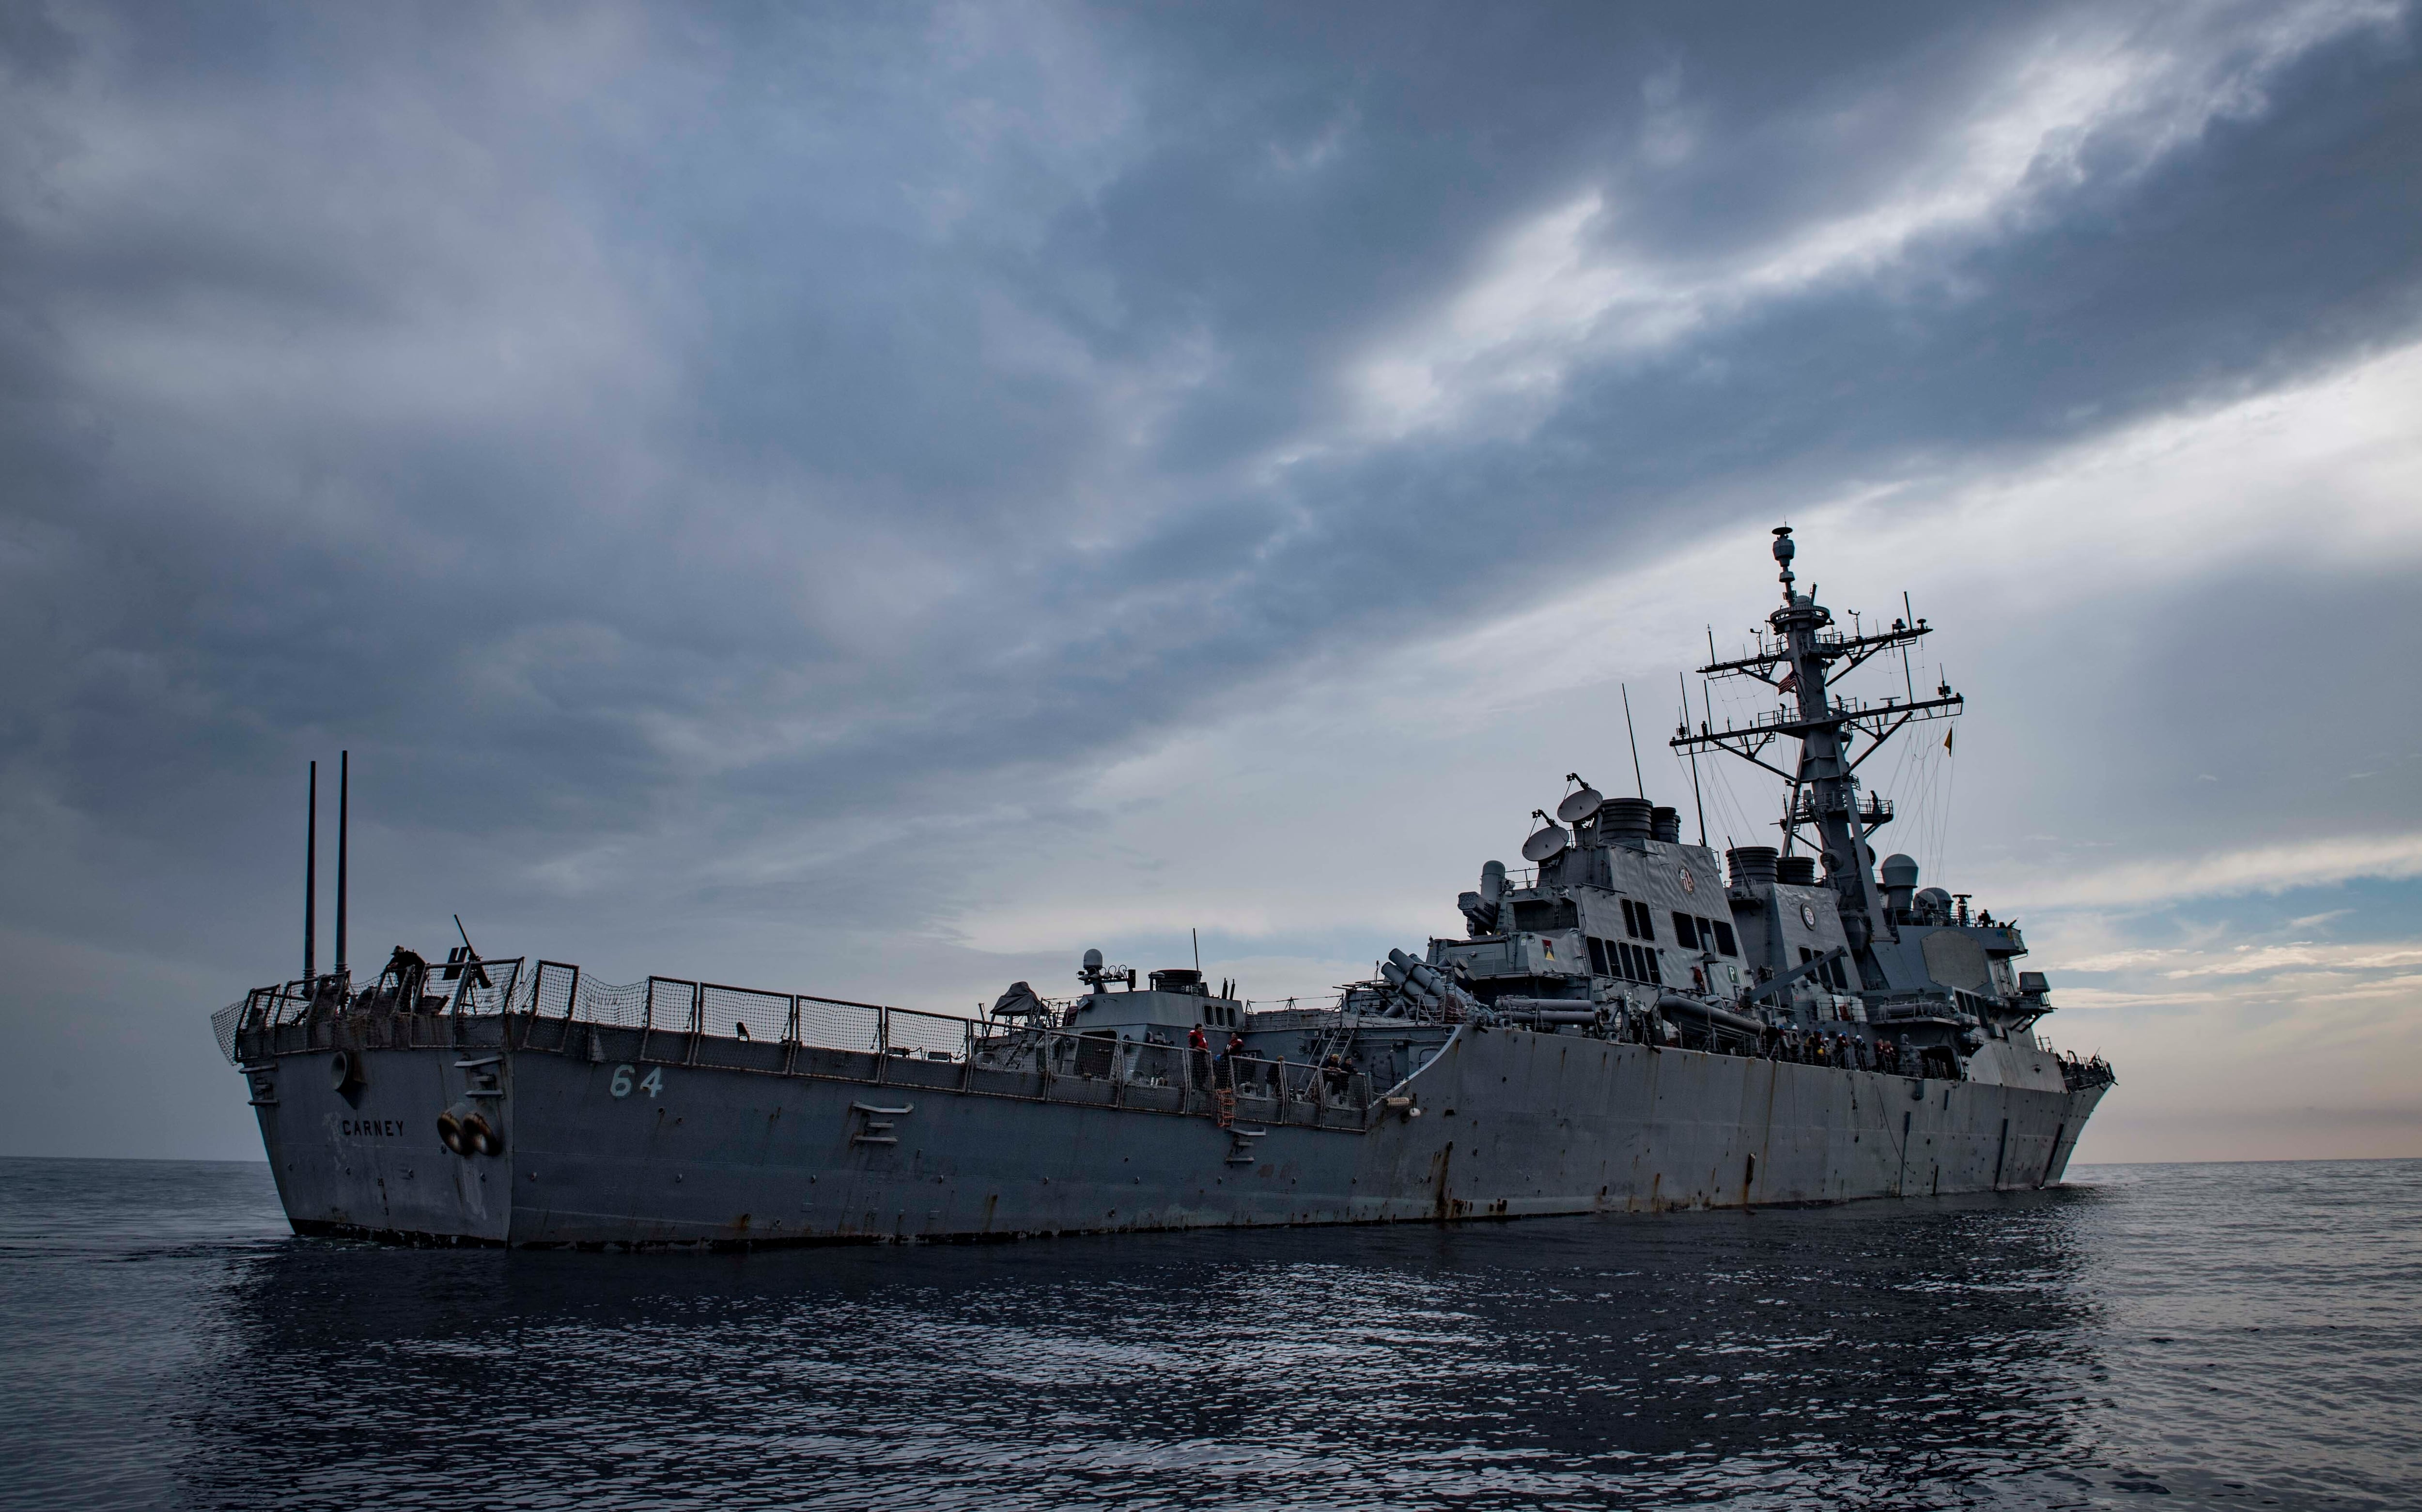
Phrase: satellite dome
{"type": "Point", "coordinates": [1898, 876]}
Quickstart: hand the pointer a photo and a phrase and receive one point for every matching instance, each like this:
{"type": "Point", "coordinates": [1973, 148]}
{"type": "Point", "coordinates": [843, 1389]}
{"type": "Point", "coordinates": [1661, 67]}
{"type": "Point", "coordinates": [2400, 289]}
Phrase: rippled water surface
{"type": "Point", "coordinates": [2224, 1335]}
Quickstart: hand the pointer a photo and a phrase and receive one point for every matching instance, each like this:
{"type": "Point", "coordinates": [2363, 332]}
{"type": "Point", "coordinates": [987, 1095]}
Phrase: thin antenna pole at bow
{"type": "Point", "coordinates": [344, 787]}
{"type": "Point", "coordinates": [312, 881]}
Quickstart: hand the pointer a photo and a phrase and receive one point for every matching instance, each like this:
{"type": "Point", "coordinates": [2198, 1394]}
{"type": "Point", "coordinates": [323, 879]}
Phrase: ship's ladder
{"type": "Point", "coordinates": [1223, 1106]}
{"type": "Point", "coordinates": [1339, 1038]}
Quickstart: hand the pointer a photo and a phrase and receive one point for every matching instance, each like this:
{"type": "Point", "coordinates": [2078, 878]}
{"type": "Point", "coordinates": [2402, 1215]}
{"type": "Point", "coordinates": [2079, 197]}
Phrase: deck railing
{"type": "Point", "coordinates": [553, 1007]}
{"type": "Point", "coordinates": [480, 988]}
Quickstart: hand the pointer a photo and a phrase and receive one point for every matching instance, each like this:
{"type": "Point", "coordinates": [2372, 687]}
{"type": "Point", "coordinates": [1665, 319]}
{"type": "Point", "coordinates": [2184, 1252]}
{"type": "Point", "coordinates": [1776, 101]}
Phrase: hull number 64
{"type": "Point", "coordinates": [653, 1083]}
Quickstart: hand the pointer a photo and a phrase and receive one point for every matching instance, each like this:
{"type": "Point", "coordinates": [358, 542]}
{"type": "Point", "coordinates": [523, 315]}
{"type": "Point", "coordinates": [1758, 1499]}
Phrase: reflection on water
{"type": "Point", "coordinates": [2231, 1335]}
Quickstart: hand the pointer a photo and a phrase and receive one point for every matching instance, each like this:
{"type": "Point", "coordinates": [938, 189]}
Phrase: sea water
{"type": "Point", "coordinates": [2224, 1335]}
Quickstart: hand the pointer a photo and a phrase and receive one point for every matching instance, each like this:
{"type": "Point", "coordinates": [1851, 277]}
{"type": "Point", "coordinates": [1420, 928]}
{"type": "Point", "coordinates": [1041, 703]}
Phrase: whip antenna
{"type": "Point", "coordinates": [1696, 801]}
{"type": "Point", "coordinates": [345, 788]}
{"type": "Point", "coordinates": [1639, 782]}
{"type": "Point", "coordinates": [311, 880]}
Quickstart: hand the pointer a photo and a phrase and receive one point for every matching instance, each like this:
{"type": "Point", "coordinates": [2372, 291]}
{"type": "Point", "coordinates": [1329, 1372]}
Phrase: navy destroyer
{"type": "Point", "coordinates": [1626, 1024]}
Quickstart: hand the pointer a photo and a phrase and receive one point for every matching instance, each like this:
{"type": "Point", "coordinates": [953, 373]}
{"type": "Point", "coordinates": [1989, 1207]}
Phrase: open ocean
{"type": "Point", "coordinates": [2224, 1335]}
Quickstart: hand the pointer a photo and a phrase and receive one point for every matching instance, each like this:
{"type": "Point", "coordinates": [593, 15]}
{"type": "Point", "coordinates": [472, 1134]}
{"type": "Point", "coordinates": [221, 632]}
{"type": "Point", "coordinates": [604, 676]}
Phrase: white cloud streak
{"type": "Point", "coordinates": [1575, 286]}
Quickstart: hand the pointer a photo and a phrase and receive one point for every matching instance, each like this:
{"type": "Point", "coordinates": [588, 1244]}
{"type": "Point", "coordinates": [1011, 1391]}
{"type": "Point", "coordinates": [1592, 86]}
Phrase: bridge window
{"type": "Point", "coordinates": [1724, 937]}
{"type": "Point", "coordinates": [1830, 972]}
{"type": "Point", "coordinates": [1637, 920]}
{"type": "Point", "coordinates": [1597, 956]}
{"type": "Point", "coordinates": [1634, 962]}
{"type": "Point", "coordinates": [1686, 930]}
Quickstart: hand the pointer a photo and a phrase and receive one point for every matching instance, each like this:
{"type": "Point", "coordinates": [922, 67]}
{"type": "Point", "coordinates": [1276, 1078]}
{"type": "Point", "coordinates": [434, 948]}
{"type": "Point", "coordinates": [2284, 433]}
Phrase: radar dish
{"type": "Point", "coordinates": [1546, 842]}
{"type": "Point", "coordinates": [1580, 806]}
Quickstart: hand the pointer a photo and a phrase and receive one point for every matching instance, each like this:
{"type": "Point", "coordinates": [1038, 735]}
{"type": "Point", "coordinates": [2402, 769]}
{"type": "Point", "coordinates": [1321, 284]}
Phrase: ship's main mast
{"type": "Point", "coordinates": [1797, 659]}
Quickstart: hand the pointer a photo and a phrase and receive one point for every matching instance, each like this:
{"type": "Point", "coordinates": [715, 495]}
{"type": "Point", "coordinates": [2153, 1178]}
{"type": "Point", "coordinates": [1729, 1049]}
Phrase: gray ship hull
{"type": "Point", "coordinates": [1625, 1028]}
{"type": "Point", "coordinates": [614, 1137]}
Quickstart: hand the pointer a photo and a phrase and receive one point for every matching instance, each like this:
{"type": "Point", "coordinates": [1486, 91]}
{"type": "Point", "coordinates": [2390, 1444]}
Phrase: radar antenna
{"type": "Point", "coordinates": [1547, 842]}
{"type": "Point", "coordinates": [1797, 656]}
{"type": "Point", "coordinates": [1581, 803]}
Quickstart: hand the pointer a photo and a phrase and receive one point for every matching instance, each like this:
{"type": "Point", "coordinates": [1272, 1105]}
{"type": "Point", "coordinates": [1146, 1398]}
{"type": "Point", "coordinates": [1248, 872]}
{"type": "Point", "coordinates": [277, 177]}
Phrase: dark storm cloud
{"type": "Point", "coordinates": [681, 451]}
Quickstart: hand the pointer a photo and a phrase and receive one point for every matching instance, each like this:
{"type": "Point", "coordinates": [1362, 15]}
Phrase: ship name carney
{"type": "Point", "coordinates": [369, 1127]}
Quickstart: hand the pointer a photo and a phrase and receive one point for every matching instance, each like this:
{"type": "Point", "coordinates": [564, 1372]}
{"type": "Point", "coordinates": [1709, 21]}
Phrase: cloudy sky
{"type": "Point", "coordinates": [878, 501]}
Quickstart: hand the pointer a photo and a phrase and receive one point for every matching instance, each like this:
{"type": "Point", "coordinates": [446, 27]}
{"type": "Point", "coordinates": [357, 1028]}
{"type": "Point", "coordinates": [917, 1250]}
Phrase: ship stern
{"type": "Point", "coordinates": [393, 1142]}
